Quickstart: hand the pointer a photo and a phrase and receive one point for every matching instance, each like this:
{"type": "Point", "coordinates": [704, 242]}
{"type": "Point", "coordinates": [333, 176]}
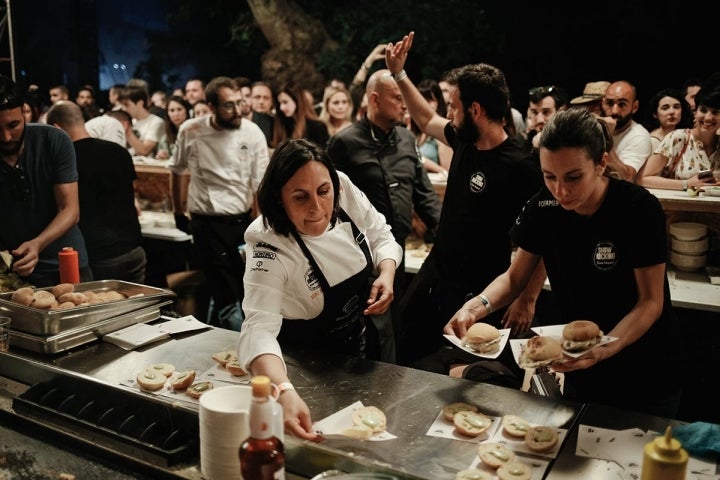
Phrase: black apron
{"type": "Point", "coordinates": [341, 326]}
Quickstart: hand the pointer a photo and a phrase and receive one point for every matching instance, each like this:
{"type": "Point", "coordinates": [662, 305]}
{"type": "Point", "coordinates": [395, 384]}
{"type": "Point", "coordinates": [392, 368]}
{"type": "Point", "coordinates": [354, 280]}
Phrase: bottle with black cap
{"type": "Point", "coordinates": [262, 454]}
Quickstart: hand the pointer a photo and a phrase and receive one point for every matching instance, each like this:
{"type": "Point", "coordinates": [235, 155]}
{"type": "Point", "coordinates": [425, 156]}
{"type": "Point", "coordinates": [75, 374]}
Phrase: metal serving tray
{"type": "Point", "coordinates": [53, 322]}
{"type": "Point", "coordinates": [84, 334]}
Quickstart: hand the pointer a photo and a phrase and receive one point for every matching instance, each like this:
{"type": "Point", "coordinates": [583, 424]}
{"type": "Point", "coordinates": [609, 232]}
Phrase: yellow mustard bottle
{"type": "Point", "coordinates": [664, 459]}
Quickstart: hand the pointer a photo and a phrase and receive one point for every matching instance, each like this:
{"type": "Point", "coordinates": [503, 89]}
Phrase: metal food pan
{"type": "Point", "coordinates": [52, 322]}
{"type": "Point", "coordinates": [84, 334]}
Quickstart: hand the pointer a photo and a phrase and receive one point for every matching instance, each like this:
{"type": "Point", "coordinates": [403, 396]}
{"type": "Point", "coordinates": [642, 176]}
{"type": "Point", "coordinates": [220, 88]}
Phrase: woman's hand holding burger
{"type": "Point", "coordinates": [589, 359]}
{"type": "Point", "coordinates": [464, 318]}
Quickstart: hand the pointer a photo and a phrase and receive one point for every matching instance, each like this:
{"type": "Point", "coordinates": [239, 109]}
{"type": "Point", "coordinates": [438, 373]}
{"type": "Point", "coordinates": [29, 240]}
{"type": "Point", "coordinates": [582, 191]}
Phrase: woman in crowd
{"type": "Point", "coordinates": [683, 153]}
{"type": "Point", "coordinates": [319, 239]}
{"type": "Point", "coordinates": [336, 110]}
{"type": "Point", "coordinates": [31, 109]}
{"type": "Point", "coordinates": [436, 156]}
{"type": "Point", "coordinates": [604, 245]}
{"type": "Point", "coordinates": [668, 111]}
{"type": "Point", "coordinates": [294, 120]}
{"type": "Point", "coordinates": [178, 110]}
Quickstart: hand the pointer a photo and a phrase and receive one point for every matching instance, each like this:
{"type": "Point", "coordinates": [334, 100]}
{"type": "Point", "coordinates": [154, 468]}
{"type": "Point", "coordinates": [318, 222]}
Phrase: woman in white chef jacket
{"type": "Point", "coordinates": [310, 257]}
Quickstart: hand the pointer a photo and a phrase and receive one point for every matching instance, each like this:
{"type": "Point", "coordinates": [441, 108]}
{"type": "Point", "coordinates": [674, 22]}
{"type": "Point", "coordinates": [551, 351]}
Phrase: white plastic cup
{"type": "Point", "coordinates": [223, 427]}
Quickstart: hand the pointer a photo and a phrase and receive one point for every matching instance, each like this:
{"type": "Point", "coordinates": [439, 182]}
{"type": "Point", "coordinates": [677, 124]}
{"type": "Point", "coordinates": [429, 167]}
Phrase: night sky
{"type": "Point", "coordinates": [546, 44]}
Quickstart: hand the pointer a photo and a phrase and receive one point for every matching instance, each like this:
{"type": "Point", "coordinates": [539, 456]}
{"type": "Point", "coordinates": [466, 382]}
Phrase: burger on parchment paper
{"type": "Point", "coordinates": [581, 335]}
{"type": "Point", "coordinates": [482, 338]}
{"type": "Point", "coordinates": [540, 351]}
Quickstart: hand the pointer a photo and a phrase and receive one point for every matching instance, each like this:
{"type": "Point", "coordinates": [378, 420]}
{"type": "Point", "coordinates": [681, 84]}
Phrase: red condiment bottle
{"type": "Point", "coordinates": [262, 454]}
{"type": "Point", "coordinates": [69, 265]}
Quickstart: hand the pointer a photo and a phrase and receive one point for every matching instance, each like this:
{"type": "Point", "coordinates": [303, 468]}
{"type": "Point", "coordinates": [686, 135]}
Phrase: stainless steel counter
{"type": "Point", "coordinates": [411, 399]}
{"type": "Point", "coordinates": [569, 466]}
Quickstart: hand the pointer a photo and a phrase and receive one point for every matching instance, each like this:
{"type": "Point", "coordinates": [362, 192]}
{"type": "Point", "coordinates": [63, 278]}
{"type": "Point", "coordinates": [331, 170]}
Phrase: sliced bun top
{"type": "Point", "coordinates": [481, 332]}
{"type": "Point", "coordinates": [581, 330]}
{"type": "Point", "coordinates": [540, 348]}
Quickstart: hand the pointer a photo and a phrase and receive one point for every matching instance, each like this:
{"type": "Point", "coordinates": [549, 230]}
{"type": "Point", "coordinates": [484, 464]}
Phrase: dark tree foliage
{"type": "Point", "coordinates": [221, 37]}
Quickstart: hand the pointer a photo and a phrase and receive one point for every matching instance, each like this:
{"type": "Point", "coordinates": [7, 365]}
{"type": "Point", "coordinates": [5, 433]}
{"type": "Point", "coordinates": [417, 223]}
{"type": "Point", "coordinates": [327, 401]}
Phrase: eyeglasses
{"type": "Point", "coordinates": [231, 106]}
{"type": "Point", "coordinates": [542, 91]}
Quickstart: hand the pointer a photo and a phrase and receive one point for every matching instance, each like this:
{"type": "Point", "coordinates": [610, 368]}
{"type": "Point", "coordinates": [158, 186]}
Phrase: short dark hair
{"type": "Point", "coordinates": [690, 82]}
{"type": "Point", "coordinates": [134, 94]}
{"type": "Point", "coordinates": [89, 88]}
{"type": "Point", "coordinates": [10, 96]}
{"type": "Point", "coordinates": [243, 82]}
{"type": "Point", "coordinates": [556, 93]}
{"type": "Point", "coordinates": [66, 114]}
{"type": "Point", "coordinates": [121, 115]}
{"type": "Point", "coordinates": [212, 88]}
{"type": "Point", "coordinates": [484, 84]}
{"type": "Point", "coordinates": [288, 158]}
{"type": "Point", "coordinates": [709, 94]}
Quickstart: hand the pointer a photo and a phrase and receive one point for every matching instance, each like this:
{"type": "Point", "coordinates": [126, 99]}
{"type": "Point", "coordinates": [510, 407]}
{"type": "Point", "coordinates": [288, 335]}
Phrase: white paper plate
{"type": "Point", "coordinates": [555, 331]}
{"type": "Point", "coordinates": [504, 336]}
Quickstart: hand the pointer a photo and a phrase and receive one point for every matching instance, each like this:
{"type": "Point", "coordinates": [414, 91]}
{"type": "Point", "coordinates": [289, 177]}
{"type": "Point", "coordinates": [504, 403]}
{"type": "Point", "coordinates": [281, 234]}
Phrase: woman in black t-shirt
{"type": "Point", "coordinates": [603, 242]}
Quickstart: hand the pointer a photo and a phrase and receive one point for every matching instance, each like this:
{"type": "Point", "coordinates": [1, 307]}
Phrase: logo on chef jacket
{"type": "Point", "coordinates": [264, 254]}
{"type": "Point", "coordinates": [311, 279]}
{"type": "Point", "coordinates": [477, 182]}
{"type": "Point", "coordinates": [605, 256]}
{"type": "Point", "coordinates": [267, 246]}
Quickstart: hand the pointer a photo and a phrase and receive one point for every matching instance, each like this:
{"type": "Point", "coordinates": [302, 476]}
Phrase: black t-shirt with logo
{"type": "Point", "coordinates": [486, 190]}
{"type": "Point", "coordinates": [590, 263]}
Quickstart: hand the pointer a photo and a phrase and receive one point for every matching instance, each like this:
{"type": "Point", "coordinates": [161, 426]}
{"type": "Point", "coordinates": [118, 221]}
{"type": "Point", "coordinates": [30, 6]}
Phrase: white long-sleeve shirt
{"type": "Point", "coordinates": [277, 281]}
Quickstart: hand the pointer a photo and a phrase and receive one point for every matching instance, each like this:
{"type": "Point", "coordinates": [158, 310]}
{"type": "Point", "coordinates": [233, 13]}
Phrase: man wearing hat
{"type": "Point", "coordinates": [591, 97]}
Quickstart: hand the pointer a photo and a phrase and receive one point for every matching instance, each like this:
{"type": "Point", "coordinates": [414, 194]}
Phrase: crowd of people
{"type": "Point", "coordinates": [300, 209]}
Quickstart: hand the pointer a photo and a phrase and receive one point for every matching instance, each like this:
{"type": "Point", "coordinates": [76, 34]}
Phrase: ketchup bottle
{"type": "Point", "coordinates": [69, 265]}
{"type": "Point", "coordinates": [262, 454]}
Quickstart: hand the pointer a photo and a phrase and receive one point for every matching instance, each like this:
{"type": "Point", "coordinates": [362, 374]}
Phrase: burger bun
{"type": "Point", "coordinates": [540, 351]}
{"type": "Point", "coordinates": [580, 335]}
{"type": "Point", "coordinates": [541, 438]}
{"type": "Point", "coordinates": [482, 338]}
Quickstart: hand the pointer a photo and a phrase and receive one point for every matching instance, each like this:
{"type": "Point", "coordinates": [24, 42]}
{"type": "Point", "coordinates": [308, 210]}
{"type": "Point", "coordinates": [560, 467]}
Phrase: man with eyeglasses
{"type": "Point", "coordinates": [38, 193]}
{"type": "Point", "coordinates": [380, 156]}
{"type": "Point", "coordinates": [632, 142]}
{"type": "Point", "coordinates": [226, 156]}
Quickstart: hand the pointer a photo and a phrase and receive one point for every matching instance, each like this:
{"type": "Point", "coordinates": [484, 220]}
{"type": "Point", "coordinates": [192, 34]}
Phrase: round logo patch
{"type": "Point", "coordinates": [311, 280]}
{"type": "Point", "coordinates": [605, 256]}
{"type": "Point", "coordinates": [477, 182]}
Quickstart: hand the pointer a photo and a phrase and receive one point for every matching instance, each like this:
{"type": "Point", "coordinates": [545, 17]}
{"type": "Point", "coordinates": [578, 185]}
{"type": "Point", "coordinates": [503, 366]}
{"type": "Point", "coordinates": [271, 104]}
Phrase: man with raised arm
{"type": "Point", "coordinates": [489, 181]}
